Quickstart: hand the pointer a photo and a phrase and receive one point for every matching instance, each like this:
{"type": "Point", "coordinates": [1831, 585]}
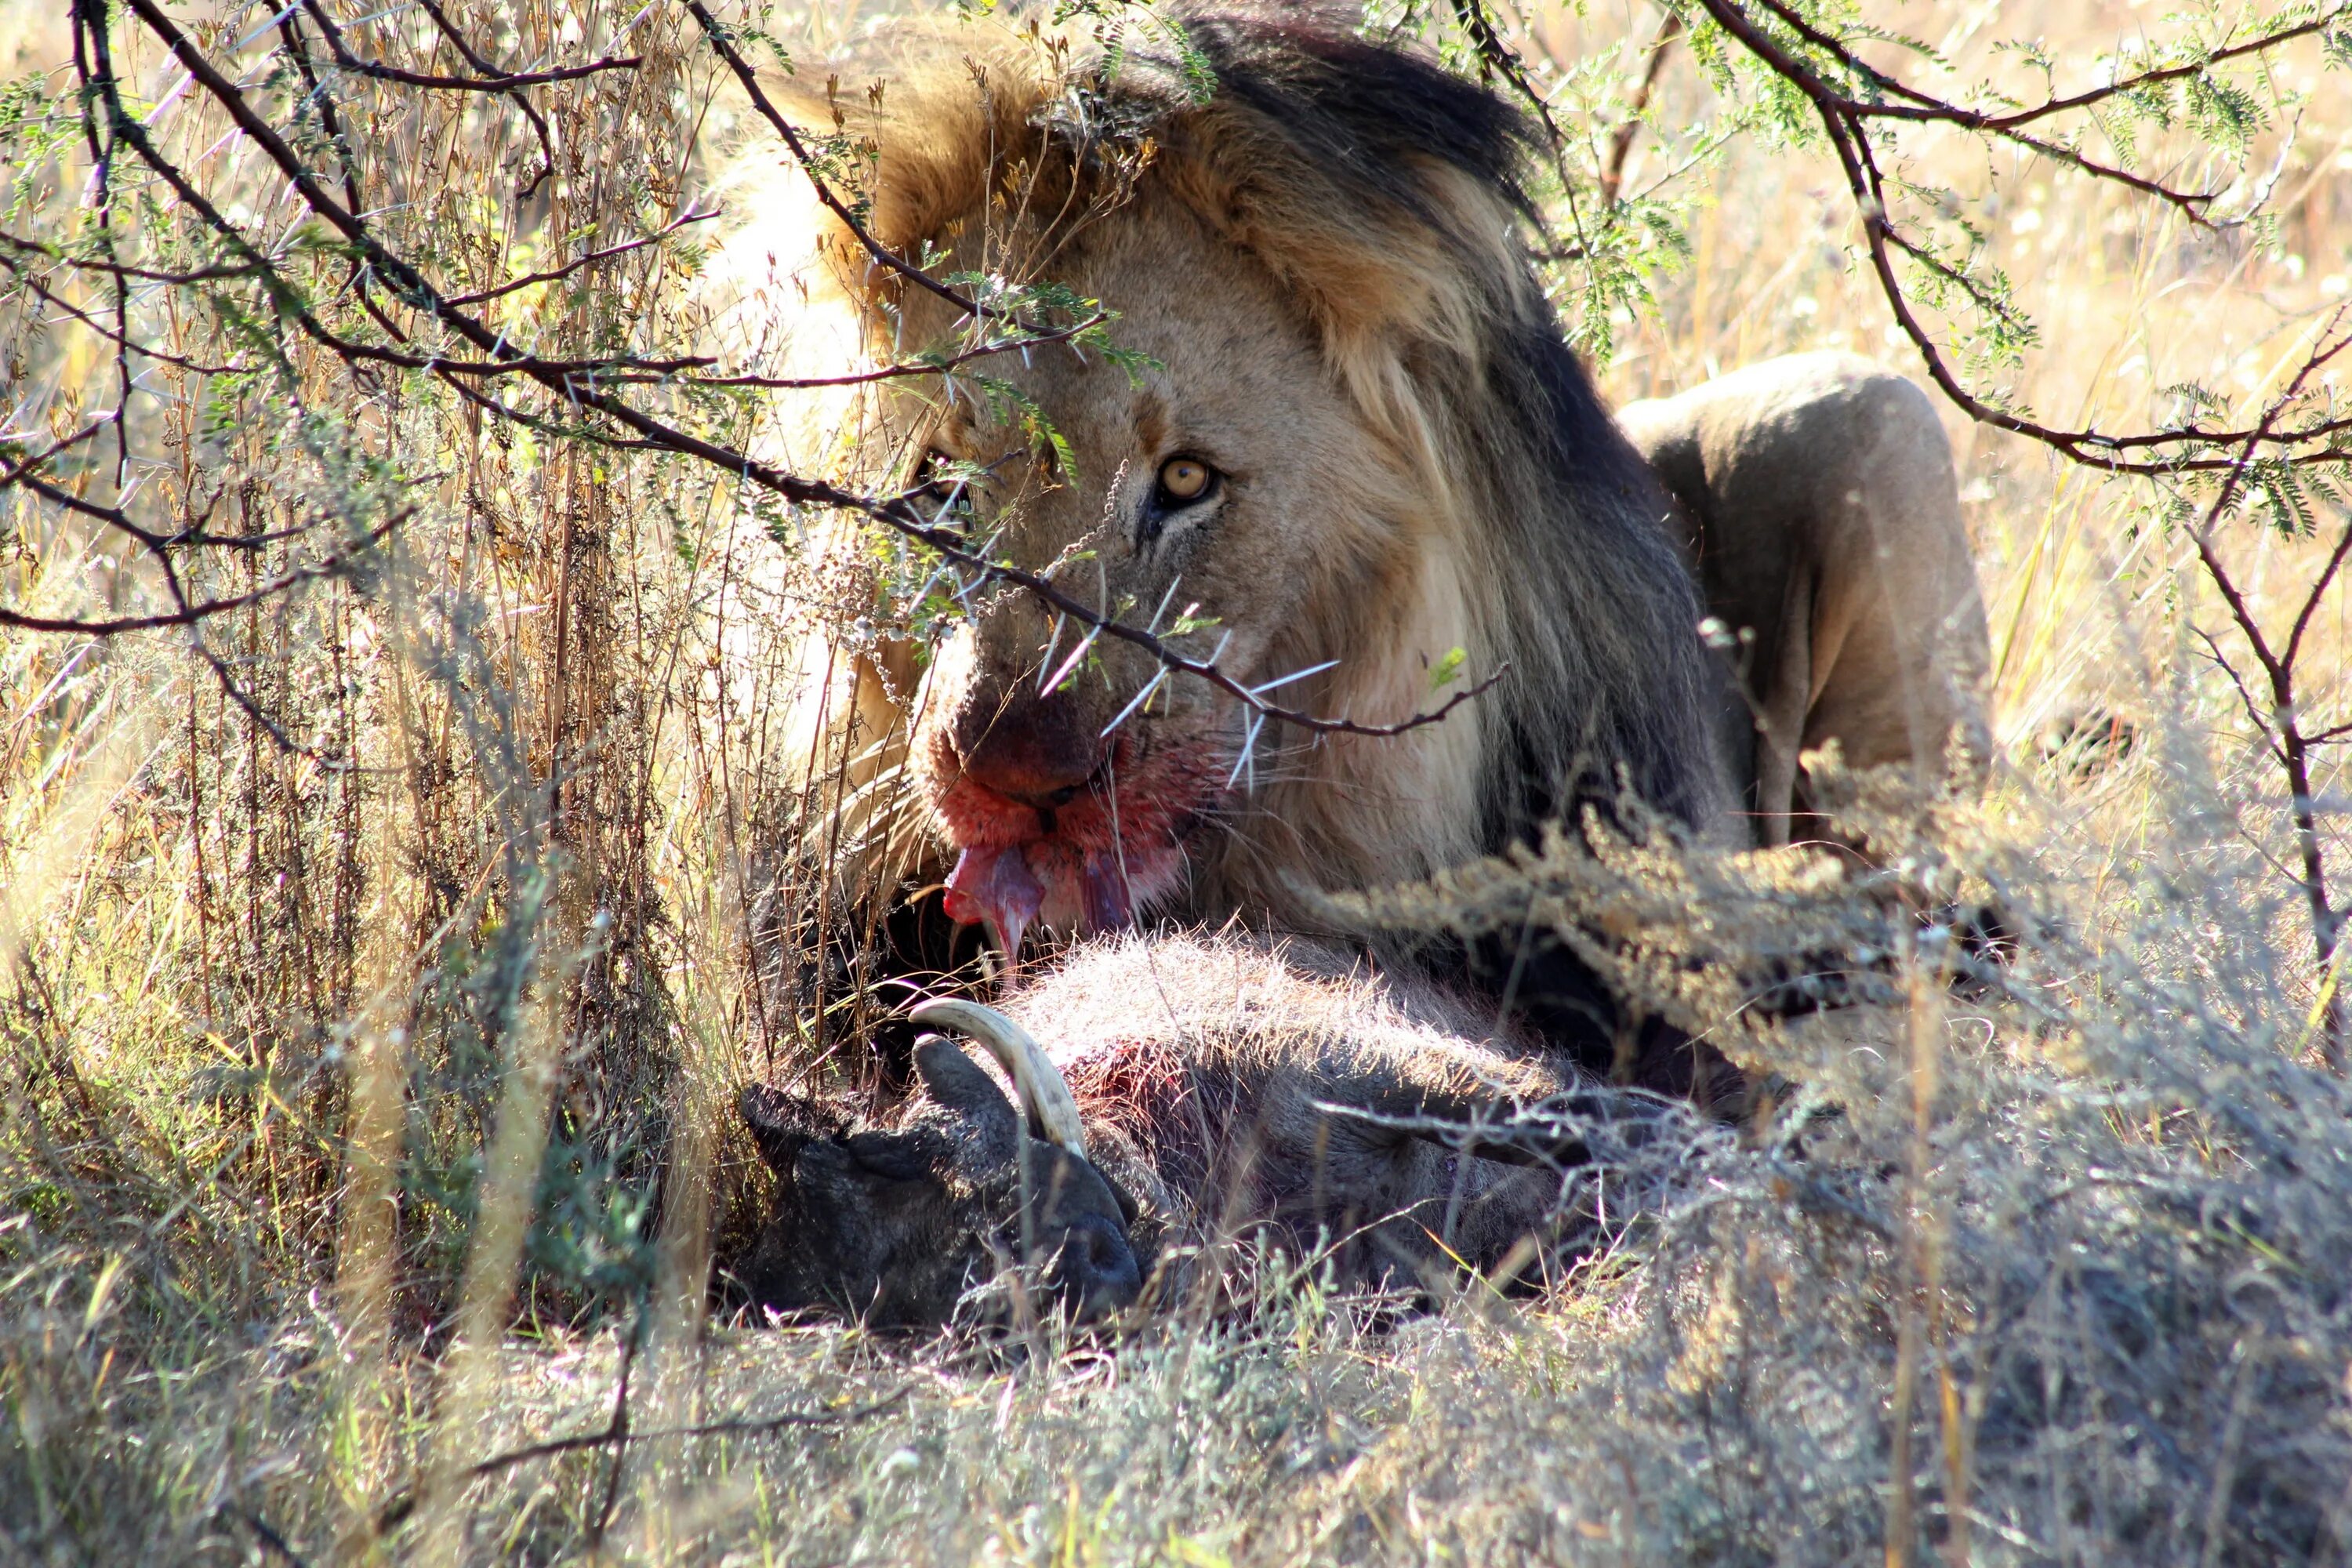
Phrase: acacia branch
{"type": "Point", "coordinates": [56, 256]}
{"type": "Point", "coordinates": [2282, 728]}
{"type": "Point", "coordinates": [2255, 716]}
{"type": "Point", "coordinates": [750, 1427]}
{"type": "Point", "coordinates": [2179, 449]}
{"type": "Point", "coordinates": [557, 274]}
{"type": "Point", "coordinates": [503, 83]}
{"type": "Point", "coordinates": [456, 37]}
{"type": "Point", "coordinates": [93, 56]}
{"type": "Point", "coordinates": [1620, 141]}
{"type": "Point", "coordinates": [2318, 592]}
{"type": "Point", "coordinates": [1922, 106]}
{"type": "Point", "coordinates": [64, 444]}
{"type": "Point", "coordinates": [113, 517]}
{"type": "Point", "coordinates": [1847, 116]}
{"type": "Point", "coordinates": [113, 334]}
{"type": "Point", "coordinates": [724, 42]}
{"type": "Point", "coordinates": [577, 383]}
{"type": "Point", "coordinates": [939, 365]}
{"type": "Point", "coordinates": [188, 615]}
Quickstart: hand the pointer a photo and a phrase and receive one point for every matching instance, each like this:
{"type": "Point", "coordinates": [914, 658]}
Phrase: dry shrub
{"type": "Point", "coordinates": [2035, 1251]}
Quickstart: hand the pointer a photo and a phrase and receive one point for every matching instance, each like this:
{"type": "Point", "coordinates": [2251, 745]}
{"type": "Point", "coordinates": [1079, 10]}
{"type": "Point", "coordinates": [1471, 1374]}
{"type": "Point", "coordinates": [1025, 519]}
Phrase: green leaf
{"type": "Point", "coordinates": [1447, 669]}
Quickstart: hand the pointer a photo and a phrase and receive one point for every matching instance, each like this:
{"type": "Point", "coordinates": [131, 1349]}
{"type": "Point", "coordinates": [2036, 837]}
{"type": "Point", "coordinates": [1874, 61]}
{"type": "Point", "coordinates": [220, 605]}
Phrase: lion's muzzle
{"type": "Point", "coordinates": [1049, 834]}
{"type": "Point", "coordinates": [1065, 809]}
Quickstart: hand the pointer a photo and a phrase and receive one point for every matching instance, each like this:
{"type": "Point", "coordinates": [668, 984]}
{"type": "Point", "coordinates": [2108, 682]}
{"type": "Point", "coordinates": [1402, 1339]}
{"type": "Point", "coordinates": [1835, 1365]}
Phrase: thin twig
{"type": "Point", "coordinates": [1620, 141]}
{"type": "Point", "coordinates": [2282, 726]}
{"type": "Point", "coordinates": [189, 615]}
{"type": "Point", "coordinates": [557, 274]}
{"type": "Point", "coordinates": [723, 42]}
{"type": "Point", "coordinates": [937, 366]}
{"type": "Point", "coordinates": [403, 1502]}
{"type": "Point", "coordinates": [56, 254]}
{"type": "Point", "coordinates": [492, 79]}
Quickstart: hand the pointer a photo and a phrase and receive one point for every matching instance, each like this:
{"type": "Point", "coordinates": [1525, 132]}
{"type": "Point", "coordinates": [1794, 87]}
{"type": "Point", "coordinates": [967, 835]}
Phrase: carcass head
{"type": "Point", "coordinates": [909, 1225]}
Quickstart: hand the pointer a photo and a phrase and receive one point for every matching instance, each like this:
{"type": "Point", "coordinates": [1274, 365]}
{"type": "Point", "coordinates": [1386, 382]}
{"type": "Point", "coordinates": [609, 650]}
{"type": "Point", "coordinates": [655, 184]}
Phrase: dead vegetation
{"type": "Point", "coordinates": [378, 955]}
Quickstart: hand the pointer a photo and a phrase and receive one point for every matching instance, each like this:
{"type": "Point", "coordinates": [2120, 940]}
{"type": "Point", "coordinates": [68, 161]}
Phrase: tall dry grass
{"type": "Point", "coordinates": [363, 1082]}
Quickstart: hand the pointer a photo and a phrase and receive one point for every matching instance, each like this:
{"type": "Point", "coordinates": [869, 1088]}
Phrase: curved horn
{"type": "Point", "coordinates": [1052, 1109]}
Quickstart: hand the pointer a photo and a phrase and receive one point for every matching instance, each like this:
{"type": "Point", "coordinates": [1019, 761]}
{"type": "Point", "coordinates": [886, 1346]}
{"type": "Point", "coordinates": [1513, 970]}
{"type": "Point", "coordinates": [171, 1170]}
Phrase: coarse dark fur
{"type": "Point", "coordinates": [1231, 1090]}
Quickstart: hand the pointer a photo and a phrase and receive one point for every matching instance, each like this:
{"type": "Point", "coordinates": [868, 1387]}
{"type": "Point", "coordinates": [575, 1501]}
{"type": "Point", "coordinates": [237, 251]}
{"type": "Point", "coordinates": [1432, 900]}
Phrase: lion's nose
{"type": "Point", "coordinates": [1041, 753]}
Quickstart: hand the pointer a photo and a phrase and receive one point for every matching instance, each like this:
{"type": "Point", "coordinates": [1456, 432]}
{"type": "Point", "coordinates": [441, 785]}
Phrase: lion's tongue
{"type": "Point", "coordinates": [999, 886]}
{"type": "Point", "coordinates": [995, 885]}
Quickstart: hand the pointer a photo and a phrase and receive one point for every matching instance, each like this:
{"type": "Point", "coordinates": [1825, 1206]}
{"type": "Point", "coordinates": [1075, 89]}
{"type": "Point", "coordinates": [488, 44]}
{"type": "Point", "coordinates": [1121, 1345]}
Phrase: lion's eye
{"type": "Point", "coordinates": [1183, 480]}
{"type": "Point", "coordinates": [945, 484]}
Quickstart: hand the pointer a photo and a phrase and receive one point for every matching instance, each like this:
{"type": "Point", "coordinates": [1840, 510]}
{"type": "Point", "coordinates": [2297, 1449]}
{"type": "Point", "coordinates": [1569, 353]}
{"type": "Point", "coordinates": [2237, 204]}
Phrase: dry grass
{"type": "Point", "coordinates": [2069, 1281]}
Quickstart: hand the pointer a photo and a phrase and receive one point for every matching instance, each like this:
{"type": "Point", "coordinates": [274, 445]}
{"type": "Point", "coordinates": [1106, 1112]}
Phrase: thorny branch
{"type": "Point", "coordinates": [1817, 63]}
{"type": "Point", "coordinates": [491, 80]}
{"type": "Point", "coordinates": [188, 615]}
{"type": "Point", "coordinates": [557, 274]}
{"type": "Point", "coordinates": [2282, 726]}
{"type": "Point", "coordinates": [1620, 141]}
{"type": "Point", "coordinates": [585, 385]}
{"type": "Point", "coordinates": [722, 41]}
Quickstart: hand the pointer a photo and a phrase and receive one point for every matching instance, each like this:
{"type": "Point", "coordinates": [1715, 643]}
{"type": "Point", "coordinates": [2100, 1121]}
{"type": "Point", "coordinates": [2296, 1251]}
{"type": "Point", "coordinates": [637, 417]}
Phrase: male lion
{"type": "Point", "coordinates": [1360, 442]}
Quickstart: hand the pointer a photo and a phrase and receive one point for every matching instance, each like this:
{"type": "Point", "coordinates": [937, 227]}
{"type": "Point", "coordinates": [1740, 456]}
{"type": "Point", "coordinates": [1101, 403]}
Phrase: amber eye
{"type": "Point", "coordinates": [1185, 479]}
{"type": "Point", "coordinates": [945, 485]}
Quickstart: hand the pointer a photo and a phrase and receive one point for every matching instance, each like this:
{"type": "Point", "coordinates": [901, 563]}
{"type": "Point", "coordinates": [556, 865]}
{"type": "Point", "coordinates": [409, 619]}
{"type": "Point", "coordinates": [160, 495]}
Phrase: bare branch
{"type": "Point", "coordinates": [110, 333]}
{"type": "Point", "coordinates": [2255, 714]}
{"type": "Point", "coordinates": [2318, 592]}
{"type": "Point", "coordinates": [557, 274]}
{"type": "Point", "coordinates": [1620, 141]}
{"type": "Point", "coordinates": [491, 80]}
{"type": "Point", "coordinates": [56, 256]}
{"type": "Point", "coordinates": [522, 101]}
{"type": "Point", "coordinates": [63, 444]}
{"type": "Point", "coordinates": [2281, 727]}
{"type": "Point", "coordinates": [188, 615]}
{"type": "Point", "coordinates": [937, 366]}
{"type": "Point", "coordinates": [722, 41]}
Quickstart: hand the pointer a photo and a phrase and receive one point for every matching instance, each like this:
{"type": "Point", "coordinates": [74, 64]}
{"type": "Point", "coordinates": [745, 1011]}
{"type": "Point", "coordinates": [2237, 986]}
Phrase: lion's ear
{"type": "Point", "coordinates": [926, 122]}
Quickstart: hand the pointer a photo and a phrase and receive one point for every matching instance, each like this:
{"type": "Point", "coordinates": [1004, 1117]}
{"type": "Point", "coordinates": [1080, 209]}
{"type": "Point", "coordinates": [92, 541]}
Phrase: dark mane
{"type": "Point", "coordinates": [1372, 119]}
{"type": "Point", "coordinates": [1367, 113]}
